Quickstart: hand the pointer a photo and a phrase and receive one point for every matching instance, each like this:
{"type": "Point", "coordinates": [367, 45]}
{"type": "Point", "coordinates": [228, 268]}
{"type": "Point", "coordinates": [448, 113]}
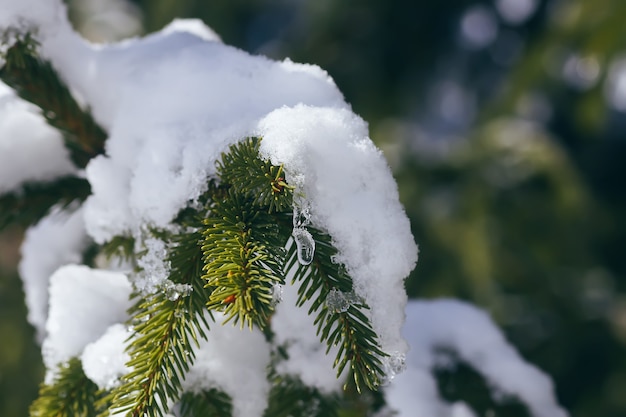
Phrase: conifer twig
{"type": "Point", "coordinates": [249, 175]}
{"type": "Point", "coordinates": [205, 404]}
{"type": "Point", "coordinates": [37, 82]}
{"type": "Point", "coordinates": [71, 394]}
{"type": "Point", "coordinates": [349, 328]}
{"type": "Point", "coordinates": [243, 245]}
{"type": "Point", "coordinates": [243, 260]}
{"type": "Point", "coordinates": [166, 330]}
{"type": "Point", "coordinates": [33, 201]}
{"type": "Point", "coordinates": [290, 397]}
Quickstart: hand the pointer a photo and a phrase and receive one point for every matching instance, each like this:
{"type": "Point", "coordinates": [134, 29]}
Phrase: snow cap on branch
{"type": "Point", "coordinates": [84, 302]}
{"type": "Point", "coordinates": [469, 333]}
{"type": "Point", "coordinates": [58, 239]}
{"type": "Point", "coordinates": [42, 16]}
{"type": "Point", "coordinates": [30, 150]}
{"type": "Point", "coordinates": [173, 101]}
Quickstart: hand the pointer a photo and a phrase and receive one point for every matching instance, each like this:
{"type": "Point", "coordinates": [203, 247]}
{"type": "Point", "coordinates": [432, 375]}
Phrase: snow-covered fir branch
{"type": "Point", "coordinates": [303, 240]}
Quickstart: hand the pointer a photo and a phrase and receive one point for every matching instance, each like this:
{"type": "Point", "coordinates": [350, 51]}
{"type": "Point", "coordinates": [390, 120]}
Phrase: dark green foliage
{"type": "Point", "coordinates": [351, 329]}
{"type": "Point", "coordinates": [71, 394]}
{"type": "Point", "coordinates": [121, 246]}
{"type": "Point", "coordinates": [186, 262]}
{"type": "Point", "coordinates": [365, 49]}
{"type": "Point", "coordinates": [211, 403]}
{"type": "Point", "coordinates": [251, 176]}
{"type": "Point", "coordinates": [290, 397]}
{"type": "Point", "coordinates": [34, 80]}
{"type": "Point", "coordinates": [166, 330]}
{"type": "Point", "coordinates": [243, 260]}
{"type": "Point", "coordinates": [362, 403]}
{"type": "Point", "coordinates": [229, 256]}
{"type": "Point", "coordinates": [161, 353]}
{"type": "Point", "coordinates": [243, 245]}
{"type": "Point", "coordinates": [231, 261]}
{"type": "Point", "coordinates": [20, 358]}
{"type": "Point", "coordinates": [460, 382]}
{"type": "Point", "coordinates": [34, 200]}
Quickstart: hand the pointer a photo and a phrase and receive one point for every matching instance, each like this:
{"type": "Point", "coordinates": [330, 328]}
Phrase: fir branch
{"type": "Point", "coordinates": [243, 169]}
{"type": "Point", "coordinates": [166, 328]}
{"type": "Point", "coordinates": [160, 355]}
{"type": "Point", "coordinates": [34, 200]}
{"type": "Point", "coordinates": [237, 258]}
{"type": "Point", "coordinates": [71, 394]}
{"type": "Point", "coordinates": [290, 397]}
{"type": "Point", "coordinates": [243, 259]}
{"type": "Point", "coordinates": [350, 329]}
{"type": "Point", "coordinates": [362, 402]}
{"type": "Point", "coordinates": [35, 81]}
{"type": "Point", "coordinates": [212, 403]}
{"type": "Point", "coordinates": [120, 246]}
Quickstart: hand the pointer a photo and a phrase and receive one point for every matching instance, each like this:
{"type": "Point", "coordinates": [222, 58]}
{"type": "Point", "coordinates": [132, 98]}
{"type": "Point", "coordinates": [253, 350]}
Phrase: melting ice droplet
{"type": "Point", "coordinates": [172, 294]}
{"type": "Point", "coordinates": [337, 301]}
{"type": "Point", "coordinates": [393, 365]}
{"type": "Point", "coordinates": [174, 291]}
{"type": "Point", "coordinates": [305, 244]}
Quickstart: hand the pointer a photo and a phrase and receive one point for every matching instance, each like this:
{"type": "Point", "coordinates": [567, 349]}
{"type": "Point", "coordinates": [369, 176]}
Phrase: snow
{"type": "Point", "coordinates": [104, 360]}
{"type": "Point", "coordinates": [84, 302]}
{"type": "Point", "coordinates": [460, 409]}
{"type": "Point", "coordinates": [194, 26]}
{"type": "Point", "coordinates": [184, 99]}
{"type": "Point", "coordinates": [172, 102]}
{"type": "Point", "coordinates": [155, 270]}
{"type": "Point", "coordinates": [45, 16]}
{"type": "Point", "coordinates": [307, 359]}
{"type": "Point", "coordinates": [351, 193]}
{"type": "Point", "coordinates": [236, 362]}
{"type": "Point", "coordinates": [58, 239]}
{"type": "Point", "coordinates": [470, 333]}
{"type": "Point", "coordinates": [30, 150]}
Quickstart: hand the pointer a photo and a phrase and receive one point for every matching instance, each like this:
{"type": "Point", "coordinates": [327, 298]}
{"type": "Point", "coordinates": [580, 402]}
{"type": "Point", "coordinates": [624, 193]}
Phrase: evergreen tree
{"type": "Point", "coordinates": [224, 259]}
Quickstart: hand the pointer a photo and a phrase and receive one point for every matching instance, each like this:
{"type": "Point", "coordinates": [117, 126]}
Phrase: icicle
{"type": "Point", "coordinates": [305, 243]}
{"type": "Point", "coordinates": [301, 215]}
{"type": "Point", "coordinates": [277, 294]}
{"type": "Point", "coordinates": [304, 240]}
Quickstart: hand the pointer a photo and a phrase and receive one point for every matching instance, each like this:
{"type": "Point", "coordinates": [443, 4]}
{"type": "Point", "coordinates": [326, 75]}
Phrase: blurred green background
{"type": "Point", "coordinates": [503, 122]}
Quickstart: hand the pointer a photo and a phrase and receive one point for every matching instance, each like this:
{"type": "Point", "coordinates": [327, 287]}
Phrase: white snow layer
{"type": "Point", "coordinates": [44, 16]}
{"type": "Point", "coordinates": [104, 361]}
{"type": "Point", "coordinates": [347, 183]}
{"type": "Point", "coordinates": [307, 359]}
{"type": "Point", "coordinates": [235, 362]}
{"type": "Point", "coordinates": [30, 150]}
{"type": "Point", "coordinates": [470, 333]}
{"type": "Point", "coordinates": [58, 239]}
{"type": "Point", "coordinates": [84, 302]}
